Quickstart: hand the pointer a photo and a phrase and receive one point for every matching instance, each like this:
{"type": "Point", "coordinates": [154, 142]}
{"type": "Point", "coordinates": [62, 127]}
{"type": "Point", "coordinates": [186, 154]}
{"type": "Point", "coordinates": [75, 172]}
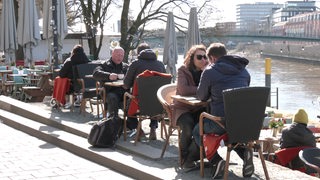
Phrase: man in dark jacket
{"type": "Point", "coordinates": [107, 72]}
{"type": "Point", "coordinates": [147, 60]}
{"type": "Point", "coordinates": [226, 71]}
{"type": "Point", "coordinates": [298, 135]}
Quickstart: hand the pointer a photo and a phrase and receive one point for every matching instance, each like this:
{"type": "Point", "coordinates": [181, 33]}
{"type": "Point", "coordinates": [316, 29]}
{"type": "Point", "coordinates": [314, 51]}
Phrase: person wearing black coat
{"type": "Point", "coordinates": [225, 72]}
{"type": "Point", "coordinates": [78, 56]}
{"type": "Point", "coordinates": [147, 60]}
{"type": "Point", "coordinates": [107, 72]}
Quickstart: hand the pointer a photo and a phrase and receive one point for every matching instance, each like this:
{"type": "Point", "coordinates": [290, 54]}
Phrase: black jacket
{"type": "Point", "coordinates": [147, 60]}
{"type": "Point", "coordinates": [67, 69]}
{"type": "Point", "coordinates": [103, 71]}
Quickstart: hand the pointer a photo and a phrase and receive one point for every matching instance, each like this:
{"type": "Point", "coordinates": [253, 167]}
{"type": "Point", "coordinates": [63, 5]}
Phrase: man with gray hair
{"type": "Point", "coordinates": [109, 71]}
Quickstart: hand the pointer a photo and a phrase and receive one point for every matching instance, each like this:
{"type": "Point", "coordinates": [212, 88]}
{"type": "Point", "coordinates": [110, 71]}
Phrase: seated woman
{"type": "Point", "coordinates": [187, 116]}
{"type": "Point", "coordinates": [77, 57]}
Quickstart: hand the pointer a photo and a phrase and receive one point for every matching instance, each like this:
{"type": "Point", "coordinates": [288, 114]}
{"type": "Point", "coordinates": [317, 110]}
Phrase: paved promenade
{"type": "Point", "coordinates": [25, 157]}
{"type": "Point", "coordinates": [59, 150]}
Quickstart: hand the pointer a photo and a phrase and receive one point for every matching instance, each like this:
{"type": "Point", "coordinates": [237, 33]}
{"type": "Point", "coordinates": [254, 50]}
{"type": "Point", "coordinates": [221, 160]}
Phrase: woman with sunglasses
{"type": "Point", "coordinates": [187, 116]}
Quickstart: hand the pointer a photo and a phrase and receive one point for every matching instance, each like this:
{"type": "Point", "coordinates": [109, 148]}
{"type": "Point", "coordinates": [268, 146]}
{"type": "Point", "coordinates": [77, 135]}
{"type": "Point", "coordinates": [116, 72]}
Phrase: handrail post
{"type": "Point", "coordinates": [268, 76]}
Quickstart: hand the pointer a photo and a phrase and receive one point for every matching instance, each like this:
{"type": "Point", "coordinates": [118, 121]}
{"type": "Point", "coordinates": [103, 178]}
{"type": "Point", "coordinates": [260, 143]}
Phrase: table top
{"type": "Point", "coordinates": [18, 75]}
{"type": "Point", "coordinates": [191, 100]}
{"type": "Point", "coordinates": [115, 83]}
{"type": "Point", "coordinates": [6, 71]}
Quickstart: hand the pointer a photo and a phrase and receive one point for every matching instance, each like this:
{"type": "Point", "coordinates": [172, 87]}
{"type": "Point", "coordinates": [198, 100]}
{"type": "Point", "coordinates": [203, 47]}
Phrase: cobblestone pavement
{"type": "Point", "coordinates": [25, 157]}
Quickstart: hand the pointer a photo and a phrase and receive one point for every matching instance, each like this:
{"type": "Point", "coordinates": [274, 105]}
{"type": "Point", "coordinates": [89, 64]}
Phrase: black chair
{"type": "Point", "coordinates": [244, 115]}
{"type": "Point", "coordinates": [149, 105]}
{"type": "Point", "coordinates": [311, 156]}
{"type": "Point", "coordinates": [88, 86]}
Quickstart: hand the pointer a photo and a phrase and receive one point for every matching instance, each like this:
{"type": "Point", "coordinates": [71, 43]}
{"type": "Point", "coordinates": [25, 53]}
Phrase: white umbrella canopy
{"type": "Point", "coordinates": [170, 50]}
{"type": "Point", "coordinates": [61, 24]}
{"type": "Point", "coordinates": [28, 28]}
{"type": "Point", "coordinates": [8, 32]}
{"type": "Point", "coordinates": [193, 33]}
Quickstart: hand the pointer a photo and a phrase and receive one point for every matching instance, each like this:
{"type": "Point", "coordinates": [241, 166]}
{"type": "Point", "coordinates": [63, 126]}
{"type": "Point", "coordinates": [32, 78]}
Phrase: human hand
{"type": "Point", "coordinates": [113, 76]}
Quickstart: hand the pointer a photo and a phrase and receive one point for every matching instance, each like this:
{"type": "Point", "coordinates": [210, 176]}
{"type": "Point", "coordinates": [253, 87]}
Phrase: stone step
{"type": "Point", "coordinates": [116, 159]}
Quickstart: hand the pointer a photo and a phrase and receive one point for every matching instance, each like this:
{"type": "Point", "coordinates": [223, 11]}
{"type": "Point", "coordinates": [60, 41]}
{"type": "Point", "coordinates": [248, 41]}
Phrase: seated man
{"type": "Point", "coordinates": [225, 72]}
{"type": "Point", "coordinates": [297, 135]}
{"type": "Point", "coordinates": [147, 60]}
{"type": "Point", "coordinates": [108, 71]}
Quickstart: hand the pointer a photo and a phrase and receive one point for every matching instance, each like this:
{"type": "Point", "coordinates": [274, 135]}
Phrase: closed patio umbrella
{"type": "Point", "coordinates": [28, 28]}
{"type": "Point", "coordinates": [170, 51]}
{"type": "Point", "coordinates": [8, 34]}
{"type": "Point", "coordinates": [48, 22]}
{"type": "Point", "coordinates": [193, 33]}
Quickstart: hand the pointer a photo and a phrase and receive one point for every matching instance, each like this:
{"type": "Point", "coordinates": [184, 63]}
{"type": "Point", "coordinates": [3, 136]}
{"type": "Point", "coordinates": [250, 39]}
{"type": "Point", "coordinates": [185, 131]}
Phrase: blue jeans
{"type": "Point", "coordinates": [212, 127]}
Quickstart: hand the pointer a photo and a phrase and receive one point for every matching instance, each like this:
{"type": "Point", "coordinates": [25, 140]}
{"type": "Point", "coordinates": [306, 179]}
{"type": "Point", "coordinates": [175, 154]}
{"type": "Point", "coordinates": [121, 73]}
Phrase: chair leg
{"type": "Point", "coordinates": [226, 168]}
{"type": "Point", "coordinates": [201, 158]}
{"type": "Point", "coordinates": [124, 126]}
{"type": "Point", "coordinates": [138, 132]}
{"type": "Point", "coordinates": [163, 129]}
{"type": "Point", "coordinates": [167, 142]}
{"type": "Point", "coordinates": [262, 161]}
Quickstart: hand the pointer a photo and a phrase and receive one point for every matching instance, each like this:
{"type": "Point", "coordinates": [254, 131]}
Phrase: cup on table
{"type": "Point", "coordinates": [120, 76]}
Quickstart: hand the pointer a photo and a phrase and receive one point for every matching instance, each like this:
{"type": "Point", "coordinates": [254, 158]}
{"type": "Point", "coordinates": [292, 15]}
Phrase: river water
{"type": "Point", "coordinates": [298, 83]}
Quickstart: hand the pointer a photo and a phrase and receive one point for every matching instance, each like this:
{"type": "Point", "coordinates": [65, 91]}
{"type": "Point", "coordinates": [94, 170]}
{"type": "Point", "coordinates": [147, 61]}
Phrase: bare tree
{"type": "Point", "coordinates": [94, 13]}
{"type": "Point", "coordinates": [132, 30]}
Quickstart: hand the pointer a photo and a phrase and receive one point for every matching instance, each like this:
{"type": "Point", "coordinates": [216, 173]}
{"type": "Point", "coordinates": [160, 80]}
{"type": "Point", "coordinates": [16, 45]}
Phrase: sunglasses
{"type": "Point", "coordinates": [199, 57]}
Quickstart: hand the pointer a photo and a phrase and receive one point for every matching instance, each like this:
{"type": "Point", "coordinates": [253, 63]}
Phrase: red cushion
{"type": "Point", "coordinates": [211, 143]}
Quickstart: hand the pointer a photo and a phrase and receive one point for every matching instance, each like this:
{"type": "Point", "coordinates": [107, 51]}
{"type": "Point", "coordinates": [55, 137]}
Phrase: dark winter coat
{"type": "Point", "coordinates": [228, 72]}
{"type": "Point", "coordinates": [67, 69]}
{"type": "Point", "coordinates": [103, 71]}
{"type": "Point", "coordinates": [147, 60]}
{"type": "Point", "coordinates": [297, 135]}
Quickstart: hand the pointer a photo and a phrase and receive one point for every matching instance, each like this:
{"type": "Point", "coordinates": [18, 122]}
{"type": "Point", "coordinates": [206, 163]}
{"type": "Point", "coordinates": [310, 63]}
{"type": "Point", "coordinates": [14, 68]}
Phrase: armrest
{"type": "Point", "coordinates": [210, 117]}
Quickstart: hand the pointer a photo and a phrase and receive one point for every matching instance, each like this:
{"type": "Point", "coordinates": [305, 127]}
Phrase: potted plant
{"type": "Point", "coordinates": [12, 65]}
{"type": "Point", "coordinates": [20, 69]}
{"type": "Point", "coordinates": [273, 124]}
{"type": "Point", "coordinates": [280, 125]}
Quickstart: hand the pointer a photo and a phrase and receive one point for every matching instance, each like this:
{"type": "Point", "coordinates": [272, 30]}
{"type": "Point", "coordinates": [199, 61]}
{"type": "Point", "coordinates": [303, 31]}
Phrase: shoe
{"type": "Point", "coordinates": [153, 134]}
{"type": "Point", "coordinates": [67, 106]}
{"type": "Point", "coordinates": [248, 167]}
{"type": "Point", "coordinates": [218, 170]}
{"type": "Point", "coordinates": [188, 164]}
{"type": "Point", "coordinates": [77, 104]}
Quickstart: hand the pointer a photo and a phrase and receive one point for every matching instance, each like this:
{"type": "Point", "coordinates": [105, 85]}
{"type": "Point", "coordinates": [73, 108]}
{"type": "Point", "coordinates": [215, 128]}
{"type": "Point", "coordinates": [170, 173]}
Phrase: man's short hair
{"type": "Point", "coordinates": [217, 50]}
{"type": "Point", "coordinates": [142, 46]}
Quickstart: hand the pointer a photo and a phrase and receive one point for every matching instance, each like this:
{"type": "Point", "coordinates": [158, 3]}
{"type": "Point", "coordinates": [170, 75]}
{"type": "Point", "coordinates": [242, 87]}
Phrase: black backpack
{"type": "Point", "coordinates": [106, 132]}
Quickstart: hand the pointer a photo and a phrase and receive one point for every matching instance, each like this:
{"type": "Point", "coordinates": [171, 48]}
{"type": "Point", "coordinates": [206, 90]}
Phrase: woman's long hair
{"type": "Point", "coordinates": [189, 59]}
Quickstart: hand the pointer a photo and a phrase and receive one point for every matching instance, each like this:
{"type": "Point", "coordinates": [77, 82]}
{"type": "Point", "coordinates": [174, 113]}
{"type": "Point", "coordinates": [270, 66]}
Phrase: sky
{"type": "Point", "coordinates": [227, 13]}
